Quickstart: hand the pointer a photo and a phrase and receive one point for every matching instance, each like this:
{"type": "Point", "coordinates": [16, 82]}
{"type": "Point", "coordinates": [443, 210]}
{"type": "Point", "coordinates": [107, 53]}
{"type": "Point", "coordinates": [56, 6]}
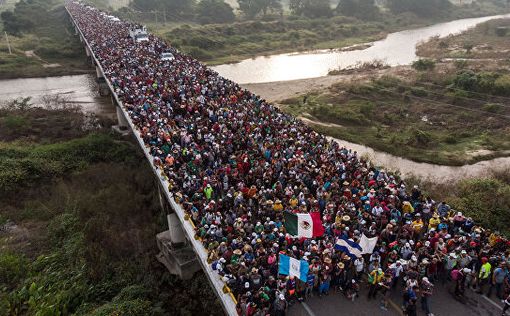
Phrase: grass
{"type": "Point", "coordinates": [52, 48]}
{"type": "Point", "coordinates": [412, 119]}
{"type": "Point", "coordinates": [227, 43]}
{"type": "Point", "coordinates": [479, 42]}
{"type": "Point", "coordinates": [86, 216]}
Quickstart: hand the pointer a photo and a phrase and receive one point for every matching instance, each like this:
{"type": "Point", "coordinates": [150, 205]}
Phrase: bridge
{"type": "Point", "coordinates": [178, 245]}
{"type": "Point", "coordinates": [182, 251]}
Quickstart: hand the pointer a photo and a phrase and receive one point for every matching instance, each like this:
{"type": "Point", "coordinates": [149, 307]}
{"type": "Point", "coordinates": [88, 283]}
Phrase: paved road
{"type": "Point", "coordinates": [442, 303]}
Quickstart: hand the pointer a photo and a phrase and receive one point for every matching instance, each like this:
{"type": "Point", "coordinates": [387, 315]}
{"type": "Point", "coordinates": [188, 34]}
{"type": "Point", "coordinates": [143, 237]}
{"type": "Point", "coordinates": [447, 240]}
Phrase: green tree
{"type": "Point", "coordinates": [364, 9]}
{"type": "Point", "coordinates": [215, 11]}
{"type": "Point", "coordinates": [173, 7]}
{"type": "Point", "coordinates": [251, 8]}
{"type": "Point", "coordinates": [271, 5]}
{"type": "Point", "coordinates": [420, 7]}
{"type": "Point", "coordinates": [311, 8]}
{"type": "Point", "coordinates": [26, 15]}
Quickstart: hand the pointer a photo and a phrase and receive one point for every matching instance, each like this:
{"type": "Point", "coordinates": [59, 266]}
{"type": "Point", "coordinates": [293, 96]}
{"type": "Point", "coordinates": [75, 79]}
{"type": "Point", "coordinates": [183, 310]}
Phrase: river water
{"type": "Point", "coordinates": [396, 49]}
{"type": "Point", "coordinates": [80, 89]}
{"type": "Point", "coordinates": [428, 171]}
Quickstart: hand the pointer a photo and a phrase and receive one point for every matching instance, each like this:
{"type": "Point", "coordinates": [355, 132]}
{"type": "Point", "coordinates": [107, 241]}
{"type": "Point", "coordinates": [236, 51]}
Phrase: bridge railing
{"type": "Point", "coordinates": [224, 294]}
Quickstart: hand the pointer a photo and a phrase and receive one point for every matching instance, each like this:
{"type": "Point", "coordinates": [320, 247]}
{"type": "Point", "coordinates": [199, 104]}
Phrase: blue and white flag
{"type": "Point", "coordinates": [350, 248]}
{"type": "Point", "coordinates": [293, 266]}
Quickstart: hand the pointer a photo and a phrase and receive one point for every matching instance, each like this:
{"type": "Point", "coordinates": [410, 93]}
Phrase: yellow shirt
{"type": "Point", "coordinates": [407, 207]}
{"type": "Point", "coordinates": [433, 222]}
{"type": "Point", "coordinates": [277, 207]}
{"type": "Point", "coordinates": [417, 225]}
{"type": "Point", "coordinates": [485, 271]}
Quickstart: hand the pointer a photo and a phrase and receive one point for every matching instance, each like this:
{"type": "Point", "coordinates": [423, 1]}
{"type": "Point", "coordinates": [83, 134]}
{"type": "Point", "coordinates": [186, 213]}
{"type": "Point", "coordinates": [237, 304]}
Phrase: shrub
{"type": "Point", "coordinates": [424, 64]}
{"type": "Point", "coordinates": [136, 307]}
{"type": "Point", "coordinates": [198, 53]}
{"type": "Point", "coordinates": [501, 31]}
{"type": "Point", "coordinates": [466, 80]}
{"type": "Point", "coordinates": [419, 92]}
{"type": "Point", "coordinates": [419, 138]}
{"type": "Point", "coordinates": [502, 85]}
{"type": "Point", "coordinates": [492, 107]}
{"type": "Point", "coordinates": [22, 166]}
{"type": "Point", "coordinates": [486, 200]}
{"type": "Point", "coordinates": [460, 64]}
{"type": "Point", "coordinates": [14, 122]}
{"type": "Point", "coordinates": [13, 268]}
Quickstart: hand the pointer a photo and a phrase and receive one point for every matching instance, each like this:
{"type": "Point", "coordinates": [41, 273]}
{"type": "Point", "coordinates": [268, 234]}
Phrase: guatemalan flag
{"type": "Point", "coordinates": [293, 266]}
{"type": "Point", "coordinates": [306, 225]}
{"type": "Point", "coordinates": [350, 248]}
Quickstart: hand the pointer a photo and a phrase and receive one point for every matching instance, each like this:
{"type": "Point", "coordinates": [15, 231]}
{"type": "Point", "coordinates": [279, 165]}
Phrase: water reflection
{"type": "Point", "coordinates": [80, 89]}
{"type": "Point", "coordinates": [396, 49]}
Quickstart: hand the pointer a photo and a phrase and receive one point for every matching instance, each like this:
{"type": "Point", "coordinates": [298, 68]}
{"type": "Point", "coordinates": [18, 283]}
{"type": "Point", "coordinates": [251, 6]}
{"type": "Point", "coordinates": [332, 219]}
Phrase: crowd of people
{"type": "Point", "coordinates": [236, 163]}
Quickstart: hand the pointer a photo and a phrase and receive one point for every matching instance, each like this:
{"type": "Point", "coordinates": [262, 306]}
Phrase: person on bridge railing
{"type": "Point", "coordinates": [236, 164]}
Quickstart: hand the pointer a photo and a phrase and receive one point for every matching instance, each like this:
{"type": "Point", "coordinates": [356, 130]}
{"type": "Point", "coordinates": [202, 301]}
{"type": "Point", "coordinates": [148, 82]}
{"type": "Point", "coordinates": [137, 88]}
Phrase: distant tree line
{"type": "Point", "coordinates": [28, 13]}
{"type": "Point", "coordinates": [218, 11]}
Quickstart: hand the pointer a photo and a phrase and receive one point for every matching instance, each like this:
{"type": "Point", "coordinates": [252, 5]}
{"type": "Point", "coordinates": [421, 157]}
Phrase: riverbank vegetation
{"type": "Point", "coordinates": [42, 41]}
{"type": "Point", "coordinates": [78, 218]}
{"type": "Point", "coordinates": [445, 115]}
{"type": "Point", "coordinates": [212, 31]}
{"type": "Point", "coordinates": [489, 40]}
{"type": "Point", "coordinates": [486, 200]}
{"type": "Point", "coordinates": [303, 27]}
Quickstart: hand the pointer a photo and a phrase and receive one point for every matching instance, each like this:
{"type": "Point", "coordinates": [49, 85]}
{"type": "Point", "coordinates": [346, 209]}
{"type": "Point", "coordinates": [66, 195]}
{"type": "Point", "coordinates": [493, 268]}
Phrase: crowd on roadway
{"type": "Point", "coordinates": [236, 163]}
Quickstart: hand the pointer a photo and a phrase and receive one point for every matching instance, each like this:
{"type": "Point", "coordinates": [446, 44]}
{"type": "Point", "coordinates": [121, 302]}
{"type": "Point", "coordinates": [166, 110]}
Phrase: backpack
{"type": "Point", "coordinates": [454, 274]}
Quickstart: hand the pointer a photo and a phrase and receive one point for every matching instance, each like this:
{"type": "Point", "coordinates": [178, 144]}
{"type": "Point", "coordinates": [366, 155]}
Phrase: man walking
{"type": "Point", "coordinates": [426, 292]}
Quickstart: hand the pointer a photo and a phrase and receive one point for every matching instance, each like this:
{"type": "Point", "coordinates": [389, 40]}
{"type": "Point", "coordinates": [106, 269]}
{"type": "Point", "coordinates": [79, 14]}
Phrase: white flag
{"type": "Point", "coordinates": [367, 244]}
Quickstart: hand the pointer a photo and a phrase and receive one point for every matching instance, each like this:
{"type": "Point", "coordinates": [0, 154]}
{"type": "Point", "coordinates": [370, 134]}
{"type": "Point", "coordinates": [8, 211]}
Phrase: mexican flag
{"type": "Point", "coordinates": [304, 225]}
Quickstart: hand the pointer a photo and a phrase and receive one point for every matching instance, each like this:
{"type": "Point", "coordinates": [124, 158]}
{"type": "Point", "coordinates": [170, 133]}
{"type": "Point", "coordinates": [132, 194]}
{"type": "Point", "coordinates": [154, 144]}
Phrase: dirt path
{"type": "Point", "coordinates": [309, 121]}
{"type": "Point", "coordinates": [281, 90]}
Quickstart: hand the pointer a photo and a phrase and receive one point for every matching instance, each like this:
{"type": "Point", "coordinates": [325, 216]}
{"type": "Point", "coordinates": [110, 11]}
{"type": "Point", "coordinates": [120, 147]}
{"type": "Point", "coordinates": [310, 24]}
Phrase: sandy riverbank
{"type": "Point", "coordinates": [281, 90]}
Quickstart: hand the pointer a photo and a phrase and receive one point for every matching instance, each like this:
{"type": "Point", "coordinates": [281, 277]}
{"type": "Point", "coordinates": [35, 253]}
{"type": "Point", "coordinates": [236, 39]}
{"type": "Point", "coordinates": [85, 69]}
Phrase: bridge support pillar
{"type": "Point", "coordinates": [175, 254]}
{"type": "Point", "coordinates": [99, 73]}
{"type": "Point", "coordinates": [122, 126]}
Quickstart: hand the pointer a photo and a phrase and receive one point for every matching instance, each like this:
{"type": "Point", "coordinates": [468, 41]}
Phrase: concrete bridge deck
{"type": "Point", "coordinates": [223, 293]}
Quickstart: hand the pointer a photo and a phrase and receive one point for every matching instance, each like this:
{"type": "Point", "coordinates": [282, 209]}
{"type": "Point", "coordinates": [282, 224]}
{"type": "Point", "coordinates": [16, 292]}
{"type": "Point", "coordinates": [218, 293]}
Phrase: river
{"type": "Point", "coordinates": [80, 89]}
{"type": "Point", "coordinates": [396, 49]}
